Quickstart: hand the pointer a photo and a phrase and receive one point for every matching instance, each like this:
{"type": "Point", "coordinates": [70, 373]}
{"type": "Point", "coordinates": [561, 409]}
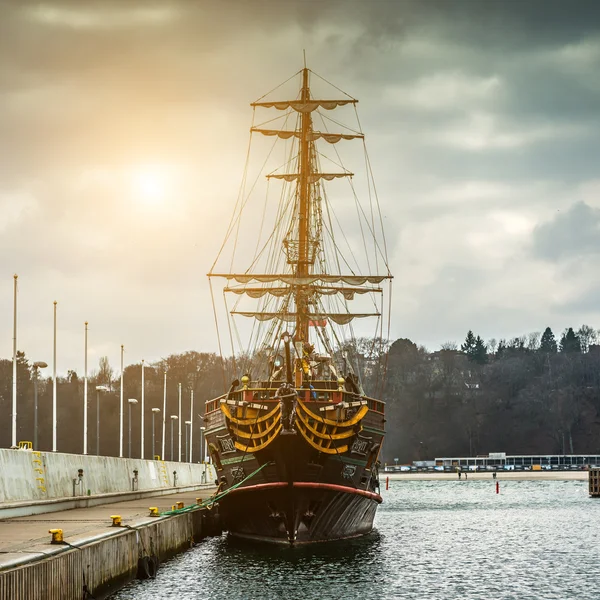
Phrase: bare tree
{"type": "Point", "coordinates": [492, 345]}
{"type": "Point", "coordinates": [105, 372]}
{"type": "Point", "coordinates": [449, 346]}
{"type": "Point", "coordinates": [587, 336]}
{"type": "Point", "coordinates": [533, 340]}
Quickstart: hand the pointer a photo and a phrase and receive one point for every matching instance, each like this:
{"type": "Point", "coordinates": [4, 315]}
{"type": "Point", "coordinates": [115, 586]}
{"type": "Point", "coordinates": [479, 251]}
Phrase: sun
{"type": "Point", "coordinates": [150, 184]}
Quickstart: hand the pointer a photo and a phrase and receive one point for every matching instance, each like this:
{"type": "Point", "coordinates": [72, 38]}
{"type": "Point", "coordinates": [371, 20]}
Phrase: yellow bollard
{"type": "Point", "coordinates": [180, 505]}
{"type": "Point", "coordinates": [154, 511]}
{"type": "Point", "coordinates": [57, 536]}
{"type": "Point", "coordinates": [198, 500]}
{"type": "Point", "coordinates": [116, 520]}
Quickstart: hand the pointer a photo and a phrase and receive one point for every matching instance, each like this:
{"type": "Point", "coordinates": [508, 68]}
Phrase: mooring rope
{"type": "Point", "coordinates": [210, 501]}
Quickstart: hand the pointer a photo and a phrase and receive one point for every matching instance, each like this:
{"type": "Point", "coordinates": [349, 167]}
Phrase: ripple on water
{"type": "Point", "coordinates": [446, 540]}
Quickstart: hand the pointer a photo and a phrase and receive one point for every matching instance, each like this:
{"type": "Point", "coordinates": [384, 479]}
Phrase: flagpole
{"type": "Point", "coordinates": [54, 387]}
{"type": "Point", "coordinates": [14, 382]}
{"type": "Point", "coordinates": [85, 393]}
{"type": "Point", "coordinates": [164, 417]}
{"type": "Point", "coordinates": [142, 412]}
{"type": "Point", "coordinates": [121, 409]}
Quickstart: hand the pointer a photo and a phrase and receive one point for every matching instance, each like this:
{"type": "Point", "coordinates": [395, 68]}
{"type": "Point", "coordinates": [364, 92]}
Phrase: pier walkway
{"type": "Point", "coordinates": [97, 557]}
{"type": "Point", "coordinates": [24, 539]}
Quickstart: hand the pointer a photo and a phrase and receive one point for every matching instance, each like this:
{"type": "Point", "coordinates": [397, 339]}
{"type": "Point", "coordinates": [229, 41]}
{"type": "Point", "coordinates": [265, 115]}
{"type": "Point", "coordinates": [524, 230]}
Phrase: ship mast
{"type": "Point", "coordinates": [303, 267]}
{"type": "Point", "coordinates": [303, 240]}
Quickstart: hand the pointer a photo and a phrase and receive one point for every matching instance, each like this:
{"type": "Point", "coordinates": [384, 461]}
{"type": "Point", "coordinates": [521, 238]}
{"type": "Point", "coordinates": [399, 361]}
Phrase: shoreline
{"type": "Point", "coordinates": [487, 476]}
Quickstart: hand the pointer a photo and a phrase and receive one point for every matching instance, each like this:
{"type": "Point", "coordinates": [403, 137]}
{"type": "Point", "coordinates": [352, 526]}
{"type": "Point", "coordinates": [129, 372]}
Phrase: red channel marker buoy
{"type": "Point", "coordinates": [387, 483]}
{"type": "Point", "coordinates": [497, 487]}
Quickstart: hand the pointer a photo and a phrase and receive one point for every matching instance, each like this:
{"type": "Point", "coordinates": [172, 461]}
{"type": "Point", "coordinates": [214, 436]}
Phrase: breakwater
{"type": "Point", "coordinates": [38, 482]}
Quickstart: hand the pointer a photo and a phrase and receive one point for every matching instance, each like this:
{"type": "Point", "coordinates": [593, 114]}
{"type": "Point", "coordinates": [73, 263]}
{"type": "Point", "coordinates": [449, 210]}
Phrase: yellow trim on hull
{"type": "Point", "coordinates": [227, 413]}
{"type": "Point", "coordinates": [338, 450]}
{"type": "Point", "coordinates": [326, 436]}
{"type": "Point", "coordinates": [355, 419]}
{"type": "Point", "coordinates": [252, 435]}
{"type": "Point", "coordinates": [248, 448]}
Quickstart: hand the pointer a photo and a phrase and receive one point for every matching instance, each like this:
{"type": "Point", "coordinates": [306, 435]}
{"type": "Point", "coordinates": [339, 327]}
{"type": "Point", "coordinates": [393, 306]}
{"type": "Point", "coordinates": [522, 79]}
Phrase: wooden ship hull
{"type": "Point", "coordinates": [310, 483]}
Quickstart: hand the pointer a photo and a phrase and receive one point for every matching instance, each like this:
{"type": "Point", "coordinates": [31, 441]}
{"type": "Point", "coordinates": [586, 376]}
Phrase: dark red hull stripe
{"type": "Point", "coordinates": [310, 485]}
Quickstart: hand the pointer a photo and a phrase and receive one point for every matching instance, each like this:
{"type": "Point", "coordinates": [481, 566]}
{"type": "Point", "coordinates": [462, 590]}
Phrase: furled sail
{"type": "Point", "coordinates": [312, 178]}
{"type": "Point", "coordinates": [339, 318]}
{"type": "Point", "coordinates": [279, 292]}
{"type": "Point", "coordinates": [331, 138]}
{"type": "Point", "coordinates": [304, 107]}
{"type": "Point", "coordinates": [307, 280]}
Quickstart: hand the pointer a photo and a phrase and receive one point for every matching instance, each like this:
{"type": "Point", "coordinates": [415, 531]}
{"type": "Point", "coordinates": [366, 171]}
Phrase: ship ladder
{"type": "Point", "coordinates": [164, 473]}
{"type": "Point", "coordinates": [38, 469]}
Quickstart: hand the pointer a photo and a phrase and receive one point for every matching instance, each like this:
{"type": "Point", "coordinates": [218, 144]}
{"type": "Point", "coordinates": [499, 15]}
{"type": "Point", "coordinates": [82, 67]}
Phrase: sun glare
{"type": "Point", "coordinates": [150, 184]}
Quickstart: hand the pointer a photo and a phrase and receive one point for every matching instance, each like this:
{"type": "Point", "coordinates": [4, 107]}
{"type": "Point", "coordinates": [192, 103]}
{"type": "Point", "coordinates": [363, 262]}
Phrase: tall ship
{"type": "Point", "coordinates": [295, 438]}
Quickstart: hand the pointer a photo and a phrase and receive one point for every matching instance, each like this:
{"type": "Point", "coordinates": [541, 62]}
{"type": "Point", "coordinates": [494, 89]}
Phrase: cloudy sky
{"type": "Point", "coordinates": [123, 132]}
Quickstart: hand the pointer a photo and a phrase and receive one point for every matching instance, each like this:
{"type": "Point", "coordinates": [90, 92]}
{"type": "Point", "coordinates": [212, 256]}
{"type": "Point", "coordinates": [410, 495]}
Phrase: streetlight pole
{"type": "Point", "coordinates": [130, 402]}
{"type": "Point", "coordinates": [164, 416]}
{"type": "Point", "coordinates": [202, 452]}
{"type": "Point", "coordinates": [179, 419]}
{"type": "Point", "coordinates": [142, 413]}
{"type": "Point", "coordinates": [187, 424]}
{"type": "Point", "coordinates": [121, 408]}
{"type": "Point", "coordinates": [14, 381]}
{"type": "Point", "coordinates": [173, 419]}
{"type": "Point", "coordinates": [36, 367]}
{"type": "Point", "coordinates": [191, 425]}
{"type": "Point", "coordinates": [54, 387]}
{"type": "Point", "coordinates": [202, 455]}
{"type": "Point", "coordinates": [99, 388]}
{"type": "Point", "coordinates": [85, 392]}
{"type": "Point", "coordinates": [154, 411]}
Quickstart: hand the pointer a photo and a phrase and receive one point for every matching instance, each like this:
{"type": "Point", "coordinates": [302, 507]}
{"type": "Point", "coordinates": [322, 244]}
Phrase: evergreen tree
{"type": "Point", "coordinates": [548, 341]}
{"type": "Point", "coordinates": [479, 353]}
{"type": "Point", "coordinates": [469, 344]}
{"type": "Point", "coordinates": [475, 349]}
{"type": "Point", "coordinates": [569, 342]}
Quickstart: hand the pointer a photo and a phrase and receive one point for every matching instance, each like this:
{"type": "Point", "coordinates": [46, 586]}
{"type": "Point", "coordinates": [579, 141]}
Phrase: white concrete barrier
{"type": "Point", "coordinates": [27, 476]}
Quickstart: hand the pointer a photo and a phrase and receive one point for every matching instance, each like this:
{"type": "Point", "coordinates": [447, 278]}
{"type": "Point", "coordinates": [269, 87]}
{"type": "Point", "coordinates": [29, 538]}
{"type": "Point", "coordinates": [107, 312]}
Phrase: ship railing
{"type": "Point", "coordinates": [311, 395]}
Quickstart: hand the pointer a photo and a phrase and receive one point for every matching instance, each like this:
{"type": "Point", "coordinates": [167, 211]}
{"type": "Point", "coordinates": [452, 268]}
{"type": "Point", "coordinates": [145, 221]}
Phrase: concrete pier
{"type": "Point", "coordinates": [98, 556]}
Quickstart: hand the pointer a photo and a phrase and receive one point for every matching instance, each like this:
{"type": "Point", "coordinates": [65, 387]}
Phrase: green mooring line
{"type": "Point", "coordinates": [210, 501]}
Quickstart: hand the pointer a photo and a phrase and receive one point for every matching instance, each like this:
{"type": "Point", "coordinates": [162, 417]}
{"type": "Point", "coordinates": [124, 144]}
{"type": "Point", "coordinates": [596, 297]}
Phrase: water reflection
{"type": "Point", "coordinates": [436, 540]}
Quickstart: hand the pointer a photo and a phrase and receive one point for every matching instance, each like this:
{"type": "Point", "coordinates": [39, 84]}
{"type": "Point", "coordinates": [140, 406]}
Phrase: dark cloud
{"type": "Point", "coordinates": [569, 234]}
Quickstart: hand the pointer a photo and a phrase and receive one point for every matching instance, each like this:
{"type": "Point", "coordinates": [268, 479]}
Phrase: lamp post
{"type": "Point", "coordinates": [173, 419]}
{"type": "Point", "coordinates": [36, 367]}
{"type": "Point", "coordinates": [164, 416]}
{"type": "Point", "coordinates": [130, 402]}
{"type": "Point", "coordinates": [99, 388]}
{"type": "Point", "coordinates": [202, 451]}
{"type": "Point", "coordinates": [188, 426]}
{"type": "Point", "coordinates": [191, 426]}
{"type": "Point", "coordinates": [202, 454]}
{"type": "Point", "coordinates": [154, 411]}
{"type": "Point", "coordinates": [179, 459]}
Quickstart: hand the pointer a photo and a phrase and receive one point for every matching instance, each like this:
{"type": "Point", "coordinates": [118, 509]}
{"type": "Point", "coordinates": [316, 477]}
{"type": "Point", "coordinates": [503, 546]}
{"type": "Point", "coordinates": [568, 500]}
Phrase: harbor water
{"type": "Point", "coordinates": [440, 540]}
